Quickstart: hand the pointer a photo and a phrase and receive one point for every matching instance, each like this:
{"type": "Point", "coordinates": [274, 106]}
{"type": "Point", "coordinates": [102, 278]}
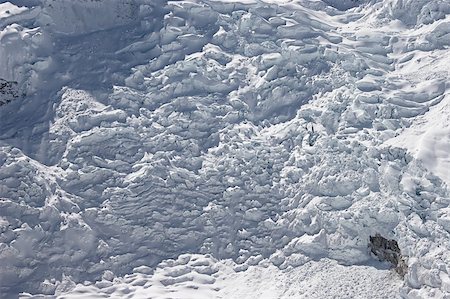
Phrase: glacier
{"type": "Point", "coordinates": [223, 149]}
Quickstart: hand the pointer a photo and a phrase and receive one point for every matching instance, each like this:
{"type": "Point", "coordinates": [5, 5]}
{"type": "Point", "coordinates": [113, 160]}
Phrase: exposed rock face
{"type": "Point", "coordinates": [8, 91]}
{"type": "Point", "coordinates": [388, 250]}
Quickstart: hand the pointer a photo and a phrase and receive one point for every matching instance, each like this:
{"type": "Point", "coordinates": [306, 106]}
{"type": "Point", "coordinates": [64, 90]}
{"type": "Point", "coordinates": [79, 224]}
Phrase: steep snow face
{"type": "Point", "coordinates": [167, 146]}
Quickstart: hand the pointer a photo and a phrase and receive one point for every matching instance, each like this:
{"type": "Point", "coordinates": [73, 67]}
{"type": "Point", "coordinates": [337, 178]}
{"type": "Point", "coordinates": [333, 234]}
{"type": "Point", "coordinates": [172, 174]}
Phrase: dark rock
{"type": "Point", "coordinates": [388, 250]}
{"type": "Point", "coordinates": [9, 91]}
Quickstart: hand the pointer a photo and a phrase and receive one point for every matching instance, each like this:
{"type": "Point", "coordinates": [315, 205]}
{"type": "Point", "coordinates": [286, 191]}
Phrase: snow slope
{"type": "Point", "coordinates": [223, 149]}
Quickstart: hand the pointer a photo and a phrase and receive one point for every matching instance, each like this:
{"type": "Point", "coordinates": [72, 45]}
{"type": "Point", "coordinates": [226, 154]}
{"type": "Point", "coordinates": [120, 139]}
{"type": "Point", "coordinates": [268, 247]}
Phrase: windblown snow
{"type": "Point", "coordinates": [224, 149]}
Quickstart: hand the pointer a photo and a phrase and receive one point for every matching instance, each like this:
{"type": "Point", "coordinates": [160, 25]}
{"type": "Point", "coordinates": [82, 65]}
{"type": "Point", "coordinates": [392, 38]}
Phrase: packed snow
{"type": "Point", "coordinates": [224, 149]}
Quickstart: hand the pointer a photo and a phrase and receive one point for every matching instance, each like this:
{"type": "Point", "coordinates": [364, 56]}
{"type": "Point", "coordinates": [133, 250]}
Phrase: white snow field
{"type": "Point", "coordinates": [224, 149]}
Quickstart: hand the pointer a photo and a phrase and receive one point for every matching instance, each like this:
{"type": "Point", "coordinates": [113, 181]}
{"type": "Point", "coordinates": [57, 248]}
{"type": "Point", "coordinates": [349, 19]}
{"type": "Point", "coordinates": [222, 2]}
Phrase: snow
{"type": "Point", "coordinates": [8, 9]}
{"type": "Point", "coordinates": [428, 140]}
{"type": "Point", "coordinates": [199, 276]}
{"type": "Point", "coordinates": [223, 149]}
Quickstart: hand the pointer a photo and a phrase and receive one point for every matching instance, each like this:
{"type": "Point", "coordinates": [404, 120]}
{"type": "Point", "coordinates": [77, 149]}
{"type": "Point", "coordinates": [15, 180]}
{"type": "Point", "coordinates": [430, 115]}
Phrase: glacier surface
{"type": "Point", "coordinates": [223, 149]}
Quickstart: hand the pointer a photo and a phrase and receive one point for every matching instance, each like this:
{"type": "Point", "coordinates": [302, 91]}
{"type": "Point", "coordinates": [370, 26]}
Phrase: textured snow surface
{"type": "Point", "coordinates": [199, 276]}
{"type": "Point", "coordinates": [222, 149]}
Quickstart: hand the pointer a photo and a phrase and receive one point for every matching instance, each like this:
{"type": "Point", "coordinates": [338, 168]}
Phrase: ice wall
{"type": "Point", "coordinates": [84, 16]}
